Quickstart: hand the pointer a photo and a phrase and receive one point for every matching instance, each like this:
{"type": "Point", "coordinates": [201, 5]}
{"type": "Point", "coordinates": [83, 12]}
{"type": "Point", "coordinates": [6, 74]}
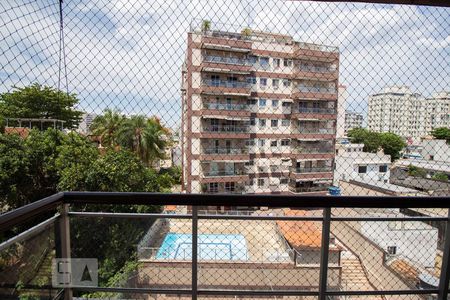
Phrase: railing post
{"type": "Point", "coordinates": [194, 250]}
{"type": "Point", "coordinates": [445, 267]}
{"type": "Point", "coordinates": [324, 253]}
{"type": "Point", "coordinates": [62, 241]}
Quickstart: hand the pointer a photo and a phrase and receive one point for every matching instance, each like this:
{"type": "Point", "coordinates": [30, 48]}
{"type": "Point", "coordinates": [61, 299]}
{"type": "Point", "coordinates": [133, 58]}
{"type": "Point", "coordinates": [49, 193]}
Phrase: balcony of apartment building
{"type": "Point", "coordinates": [312, 169]}
{"type": "Point", "coordinates": [314, 129]}
{"type": "Point", "coordinates": [316, 52]}
{"type": "Point", "coordinates": [225, 41]}
{"type": "Point", "coordinates": [219, 171]}
{"type": "Point", "coordinates": [312, 149]}
{"type": "Point", "coordinates": [225, 106]}
{"type": "Point", "coordinates": [312, 246]}
{"type": "Point", "coordinates": [223, 188]}
{"type": "Point", "coordinates": [314, 110]}
{"type": "Point", "coordinates": [315, 187]}
{"type": "Point", "coordinates": [314, 71]}
{"type": "Point", "coordinates": [214, 60]}
{"type": "Point", "coordinates": [225, 84]}
{"type": "Point", "coordinates": [314, 90]}
{"type": "Point", "coordinates": [223, 150]}
{"type": "Point", "coordinates": [224, 127]}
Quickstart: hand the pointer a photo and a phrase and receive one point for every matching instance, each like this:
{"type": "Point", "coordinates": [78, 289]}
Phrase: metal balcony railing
{"type": "Point", "coordinates": [314, 110]}
{"type": "Point", "coordinates": [206, 237]}
{"type": "Point", "coordinates": [309, 189]}
{"type": "Point", "coordinates": [316, 131]}
{"type": "Point", "coordinates": [224, 151]}
{"type": "Point", "coordinates": [317, 47]}
{"type": "Point", "coordinates": [310, 150]}
{"type": "Point", "coordinates": [236, 172]}
{"type": "Point", "coordinates": [225, 106]}
{"type": "Point", "coordinates": [225, 83]}
{"type": "Point", "coordinates": [315, 69]}
{"type": "Point", "coordinates": [226, 128]}
{"type": "Point", "coordinates": [311, 170]}
{"type": "Point", "coordinates": [313, 89]}
{"type": "Point", "coordinates": [227, 60]}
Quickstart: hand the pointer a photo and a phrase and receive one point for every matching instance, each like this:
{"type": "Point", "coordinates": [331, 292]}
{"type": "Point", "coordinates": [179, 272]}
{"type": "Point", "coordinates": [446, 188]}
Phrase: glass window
{"type": "Point", "coordinates": [251, 101]}
{"type": "Point", "coordinates": [262, 102]}
{"type": "Point", "coordinates": [275, 83]}
{"type": "Point", "coordinates": [392, 250]}
{"type": "Point", "coordinates": [252, 121]}
{"type": "Point", "coordinates": [383, 169]}
{"type": "Point", "coordinates": [274, 143]}
{"type": "Point", "coordinates": [286, 82]}
{"type": "Point", "coordinates": [274, 123]}
{"type": "Point", "coordinates": [253, 59]}
{"type": "Point", "coordinates": [276, 62]}
{"type": "Point", "coordinates": [284, 180]}
{"type": "Point", "coordinates": [262, 122]}
{"type": "Point", "coordinates": [264, 61]}
{"type": "Point", "coordinates": [285, 122]}
{"type": "Point", "coordinates": [287, 62]}
{"type": "Point", "coordinates": [263, 81]}
{"type": "Point", "coordinates": [260, 182]}
{"type": "Point", "coordinates": [261, 142]}
{"type": "Point", "coordinates": [275, 103]}
{"type": "Point", "coordinates": [251, 80]}
{"type": "Point", "coordinates": [285, 142]}
{"type": "Point", "coordinates": [362, 169]}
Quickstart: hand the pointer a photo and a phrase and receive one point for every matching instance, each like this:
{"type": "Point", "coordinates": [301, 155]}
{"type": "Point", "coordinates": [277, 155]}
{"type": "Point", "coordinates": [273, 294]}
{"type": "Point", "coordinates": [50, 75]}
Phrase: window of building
{"type": "Point", "coordinates": [261, 182]}
{"type": "Point", "coordinates": [383, 169]}
{"type": "Point", "coordinates": [392, 250]}
{"type": "Point", "coordinates": [362, 169]}
{"type": "Point", "coordinates": [230, 186]}
{"type": "Point", "coordinates": [213, 187]}
{"type": "Point", "coordinates": [284, 180]}
{"type": "Point", "coordinates": [251, 101]}
{"type": "Point", "coordinates": [285, 142]}
{"type": "Point", "coordinates": [262, 122]}
{"type": "Point", "coordinates": [285, 122]}
{"type": "Point", "coordinates": [274, 123]}
{"type": "Point", "coordinates": [262, 102]}
{"type": "Point", "coordinates": [274, 143]}
{"type": "Point", "coordinates": [276, 63]}
{"type": "Point", "coordinates": [252, 121]}
{"type": "Point", "coordinates": [253, 59]}
{"type": "Point", "coordinates": [275, 103]}
{"type": "Point", "coordinates": [286, 82]}
{"type": "Point", "coordinates": [275, 83]}
{"type": "Point", "coordinates": [251, 80]}
{"type": "Point", "coordinates": [261, 142]}
{"type": "Point", "coordinates": [263, 82]}
{"type": "Point", "coordinates": [287, 62]}
{"type": "Point", "coordinates": [250, 142]}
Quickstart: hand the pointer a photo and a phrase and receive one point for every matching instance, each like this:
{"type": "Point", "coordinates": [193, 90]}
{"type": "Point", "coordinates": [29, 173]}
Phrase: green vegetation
{"type": "Point", "coordinates": [40, 102]}
{"type": "Point", "coordinates": [441, 133]}
{"type": "Point", "coordinates": [206, 25]}
{"type": "Point", "coordinates": [47, 161]}
{"type": "Point", "coordinates": [440, 176]}
{"type": "Point", "coordinates": [391, 143]}
{"type": "Point", "coordinates": [416, 171]}
{"type": "Point", "coordinates": [246, 32]}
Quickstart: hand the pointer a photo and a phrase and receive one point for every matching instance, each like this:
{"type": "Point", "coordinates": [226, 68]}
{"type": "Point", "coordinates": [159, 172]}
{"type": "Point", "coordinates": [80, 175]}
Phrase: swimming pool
{"type": "Point", "coordinates": [210, 247]}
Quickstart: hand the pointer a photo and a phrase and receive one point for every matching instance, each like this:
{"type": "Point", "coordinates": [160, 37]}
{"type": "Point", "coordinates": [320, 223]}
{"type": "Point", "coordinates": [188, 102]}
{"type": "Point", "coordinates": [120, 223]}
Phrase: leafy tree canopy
{"type": "Point", "coordinates": [391, 143]}
{"type": "Point", "coordinates": [40, 102]}
{"type": "Point", "coordinates": [441, 133]}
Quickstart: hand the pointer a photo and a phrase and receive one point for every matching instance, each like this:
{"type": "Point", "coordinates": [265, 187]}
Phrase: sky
{"type": "Point", "coordinates": [128, 54]}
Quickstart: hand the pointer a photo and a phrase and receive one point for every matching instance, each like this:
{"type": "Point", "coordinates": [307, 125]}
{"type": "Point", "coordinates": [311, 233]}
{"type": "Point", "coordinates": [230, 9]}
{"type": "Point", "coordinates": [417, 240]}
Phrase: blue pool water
{"type": "Point", "coordinates": [210, 247]}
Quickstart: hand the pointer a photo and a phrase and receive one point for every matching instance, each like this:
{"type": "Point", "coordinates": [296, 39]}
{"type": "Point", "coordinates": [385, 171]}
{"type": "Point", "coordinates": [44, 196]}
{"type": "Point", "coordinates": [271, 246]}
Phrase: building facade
{"type": "Point", "coordinates": [397, 109]}
{"type": "Point", "coordinates": [352, 120]}
{"type": "Point", "coordinates": [259, 114]}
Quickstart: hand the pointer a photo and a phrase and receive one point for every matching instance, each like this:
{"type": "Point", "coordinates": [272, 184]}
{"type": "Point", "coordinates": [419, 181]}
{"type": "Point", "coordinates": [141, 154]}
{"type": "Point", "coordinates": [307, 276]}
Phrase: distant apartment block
{"type": "Point", "coordinates": [397, 109]}
{"type": "Point", "coordinates": [85, 124]}
{"type": "Point", "coordinates": [352, 120]}
{"type": "Point", "coordinates": [259, 113]}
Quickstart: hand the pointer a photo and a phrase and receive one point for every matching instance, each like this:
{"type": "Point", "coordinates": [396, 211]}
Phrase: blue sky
{"type": "Point", "coordinates": [127, 54]}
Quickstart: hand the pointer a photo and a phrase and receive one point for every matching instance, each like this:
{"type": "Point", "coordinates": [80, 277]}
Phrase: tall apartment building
{"type": "Point", "coordinates": [408, 114]}
{"type": "Point", "coordinates": [352, 120]}
{"type": "Point", "coordinates": [259, 114]}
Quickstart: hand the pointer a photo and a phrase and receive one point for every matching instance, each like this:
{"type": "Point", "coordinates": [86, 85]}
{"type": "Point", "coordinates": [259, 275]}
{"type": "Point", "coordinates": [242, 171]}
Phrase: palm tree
{"type": "Point", "coordinates": [107, 126]}
{"type": "Point", "coordinates": [145, 137]}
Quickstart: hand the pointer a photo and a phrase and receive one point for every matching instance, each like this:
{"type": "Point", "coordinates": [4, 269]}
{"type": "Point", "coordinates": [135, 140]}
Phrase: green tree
{"type": "Point", "coordinates": [40, 102]}
{"type": "Point", "coordinates": [441, 133]}
{"type": "Point", "coordinates": [391, 143]}
{"type": "Point", "coordinates": [107, 127]}
{"type": "Point", "coordinates": [440, 176]}
{"type": "Point", "coordinates": [416, 171]}
{"type": "Point", "coordinates": [147, 138]}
